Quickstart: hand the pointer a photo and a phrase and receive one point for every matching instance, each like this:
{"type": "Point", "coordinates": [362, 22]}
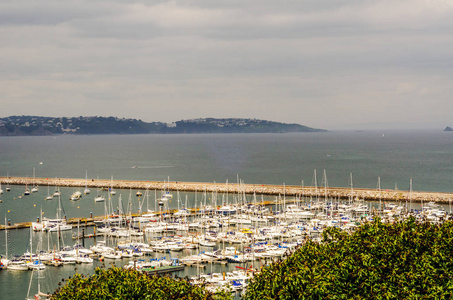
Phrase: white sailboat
{"type": "Point", "coordinates": [166, 195]}
{"type": "Point", "coordinates": [87, 190]}
{"type": "Point", "coordinates": [57, 193]}
{"type": "Point", "coordinates": [52, 225]}
{"type": "Point", "coordinates": [35, 187]}
{"type": "Point", "coordinates": [57, 190]}
{"type": "Point", "coordinates": [17, 265]}
{"type": "Point", "coordinates": [27, 190]}
{"type": "Point", "coordinates": [7, 185]}
{"type": "Point", "coordinates": [49, 196]}
{"type": "Point", "coordinates": [112, 191]}
{"type": "Point", "coordinates": [4, 261]}
{"type": "Point", "coordinates": [39, 294]}
{"type": "Point", "coordinates": [99, 198]}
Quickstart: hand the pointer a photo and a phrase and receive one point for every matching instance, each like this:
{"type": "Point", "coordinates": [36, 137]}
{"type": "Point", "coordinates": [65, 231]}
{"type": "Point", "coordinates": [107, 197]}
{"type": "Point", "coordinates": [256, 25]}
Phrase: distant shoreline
{"type": "Point", "coordinates": [44, 126]}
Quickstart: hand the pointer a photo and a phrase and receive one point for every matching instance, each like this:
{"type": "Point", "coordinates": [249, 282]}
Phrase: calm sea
{"type": "Point", "coordinates": [394, 156]}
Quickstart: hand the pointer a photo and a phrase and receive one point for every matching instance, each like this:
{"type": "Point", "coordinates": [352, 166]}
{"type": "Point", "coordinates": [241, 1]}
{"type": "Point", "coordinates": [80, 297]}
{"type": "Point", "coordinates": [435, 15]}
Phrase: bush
{"type": "Point", "coordinates": [119, 283]}
{"type": "Point", "coordinates": [404, 260]}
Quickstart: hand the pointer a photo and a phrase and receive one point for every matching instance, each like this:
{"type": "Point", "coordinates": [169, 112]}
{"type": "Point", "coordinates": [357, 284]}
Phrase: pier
{"type": "Point", "coordinates": [259, 189]}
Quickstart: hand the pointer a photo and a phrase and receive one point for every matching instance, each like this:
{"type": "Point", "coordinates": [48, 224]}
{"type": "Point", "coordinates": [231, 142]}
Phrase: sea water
{"type": "Point", "coordinates": [426, 157]}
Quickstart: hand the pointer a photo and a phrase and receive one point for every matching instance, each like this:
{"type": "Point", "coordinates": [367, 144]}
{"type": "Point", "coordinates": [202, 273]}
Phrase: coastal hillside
{"type": "Point", "coordinates": [36, 126]}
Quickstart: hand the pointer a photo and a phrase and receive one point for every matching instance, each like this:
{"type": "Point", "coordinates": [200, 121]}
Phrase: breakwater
{"type": "Point", "coordinates": [259, 189]}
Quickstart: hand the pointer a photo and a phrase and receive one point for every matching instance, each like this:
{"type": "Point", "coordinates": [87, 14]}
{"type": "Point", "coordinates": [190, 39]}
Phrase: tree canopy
{"type": "Point", "coordinates": [119, 283]}
{"type": "Point", "coordinates": [403, 260]}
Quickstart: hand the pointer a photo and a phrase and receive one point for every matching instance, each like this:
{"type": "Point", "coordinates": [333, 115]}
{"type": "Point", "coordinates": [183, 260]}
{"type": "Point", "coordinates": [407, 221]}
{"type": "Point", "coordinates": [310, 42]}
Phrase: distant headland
{"type": "Point", "coordinates": [40, 126]}
{"type": "Point", "coordinates": [448, 128]}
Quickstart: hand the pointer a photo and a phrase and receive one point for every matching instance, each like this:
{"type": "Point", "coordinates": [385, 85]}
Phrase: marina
{"type": "Point", "coordinates": [221, 243]}
{"type": "Point", "coordinates": [212, 249]}
{"type": "Point", "coordinates": [207, 216]}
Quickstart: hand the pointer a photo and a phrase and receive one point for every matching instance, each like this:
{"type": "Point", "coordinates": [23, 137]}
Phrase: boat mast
{"type": "Point", "coordinates": [325, 187]}
{"type": "Point", "coordinates": [316, 187]}
{"type": "Point", "coordinates": [29, 285]}
{"type": "Point", "coordinates": [6, 238]}
{"type": "Point", "coordinates": [352, 189]}
{"type": "Point", "coordinates": [59, 208]}
{"type": "Point", "coordinates": [87, 190]}
{"type": "Point", "coordinates": [284, 199]}
{"type": "Point", "coordinates": [31, 241]}
{"type": "Point", "coordinates": [379, 190]}
{"type": "Point", "coordinates": [410, 195]}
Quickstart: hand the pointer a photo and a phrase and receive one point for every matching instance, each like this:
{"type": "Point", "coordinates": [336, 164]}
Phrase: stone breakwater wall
{"type": "Point", "coordinates": [259, 189]}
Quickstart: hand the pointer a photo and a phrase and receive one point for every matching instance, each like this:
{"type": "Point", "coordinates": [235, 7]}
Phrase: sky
{"type": "Point", "coordinates": [332, 64]}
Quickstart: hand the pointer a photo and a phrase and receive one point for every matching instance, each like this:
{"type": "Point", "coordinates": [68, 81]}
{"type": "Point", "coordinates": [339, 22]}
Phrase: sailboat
{"type": "Point", "coordinates": [35, 187]}
{"type": "Point", "coordinates": [112, 191]}
{"type": "Point", "coordinates": [52, 225]}
{"type": "Point", "coordinates": [166, 195]}
{"type": "Point", "coordinates": [39, 294]}
{"type": "Point", "coordinates": [7, 185]}
{"type": "Point", "coordinates": [49, 196]}
{"type": "Point", "coordinates": [57, 190]}
{"type": "Point", "coordinates": [87, 190]}
{"type": "Point", "coordinates": [27, 190]}
{"type": "Point", "coordinates": [4, 261]}
{"type": "Point", "coordinates": [99, 197]}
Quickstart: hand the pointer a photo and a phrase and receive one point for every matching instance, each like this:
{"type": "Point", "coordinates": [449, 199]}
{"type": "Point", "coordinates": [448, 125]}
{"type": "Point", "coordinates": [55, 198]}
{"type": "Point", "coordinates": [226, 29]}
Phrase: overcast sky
{"type": "Point", "coordinates": [329, 64]}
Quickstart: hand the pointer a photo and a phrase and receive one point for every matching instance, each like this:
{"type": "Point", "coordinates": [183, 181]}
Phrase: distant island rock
{"type": "Point", "coordinates": [39, 126]}
{"type": "Point", "coordinates": [448, 128]}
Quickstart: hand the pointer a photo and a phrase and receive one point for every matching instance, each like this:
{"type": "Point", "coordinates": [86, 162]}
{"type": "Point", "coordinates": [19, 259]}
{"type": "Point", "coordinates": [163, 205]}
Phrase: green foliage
{"type": "Point", "coordinates": [119, 283]}
{"type": "Point", "coordinates": [404, 260]}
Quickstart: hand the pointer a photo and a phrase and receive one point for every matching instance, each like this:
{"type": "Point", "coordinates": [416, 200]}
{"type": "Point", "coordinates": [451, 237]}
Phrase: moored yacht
{"type": "Point", "coordinates": [76, 196]}
{"type": "Point", "coordinates": [99, 198]}
{"type": "Point", "coordinates": [17, 265]}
